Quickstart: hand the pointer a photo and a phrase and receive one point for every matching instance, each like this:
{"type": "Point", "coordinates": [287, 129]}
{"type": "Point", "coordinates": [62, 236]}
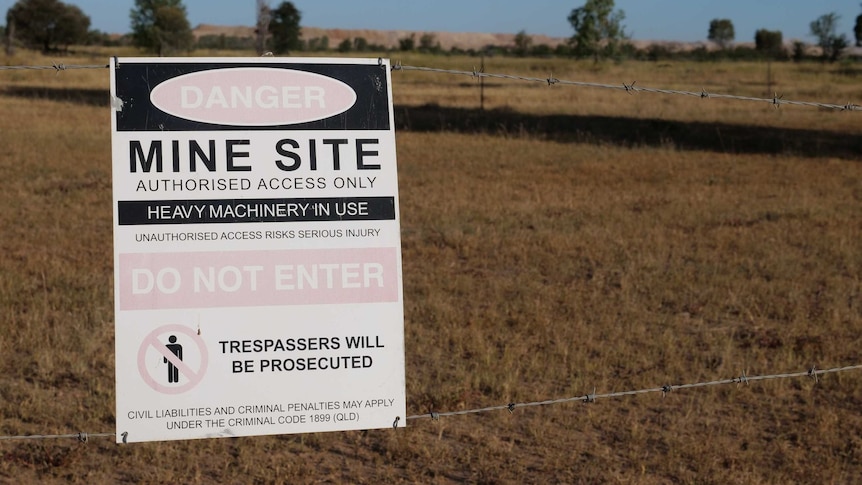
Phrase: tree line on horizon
{"type": "Point", "coordinates": [161, 27]}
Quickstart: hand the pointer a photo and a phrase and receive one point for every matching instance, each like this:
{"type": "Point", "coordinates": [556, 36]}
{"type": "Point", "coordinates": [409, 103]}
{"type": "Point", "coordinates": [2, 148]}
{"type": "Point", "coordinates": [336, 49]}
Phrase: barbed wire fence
{"type": "Point", "coordinates": [632, 88]}
{"type": "Point", "coordinates": [777, 100]}
{"type": "Point", "coordinates": [629, 88]}
{"type": "Point", "coordinates": [812, 373]}
{"type": "Point", "coordinates": [54, 67]}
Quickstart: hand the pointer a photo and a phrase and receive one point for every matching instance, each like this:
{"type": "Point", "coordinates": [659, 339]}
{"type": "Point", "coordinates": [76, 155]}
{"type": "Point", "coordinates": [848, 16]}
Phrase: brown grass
{"type": "Point", "coordinates": [564, 239]}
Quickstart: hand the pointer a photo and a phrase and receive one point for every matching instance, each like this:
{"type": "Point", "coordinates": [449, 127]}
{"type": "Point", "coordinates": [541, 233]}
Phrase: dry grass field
{"type": "Point", "coordinates": [561, 240]}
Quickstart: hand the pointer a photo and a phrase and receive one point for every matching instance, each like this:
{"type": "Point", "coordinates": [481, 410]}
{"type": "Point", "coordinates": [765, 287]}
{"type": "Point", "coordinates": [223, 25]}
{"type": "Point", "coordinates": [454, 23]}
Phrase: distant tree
{"type": "Point", "coordinates": [73, 26]}
{"type": "Point", "coordinates": [97, 37]}
{"type": "Point", "coordinates": [563, 50]}
{"type": "Point", "coordinates": [285, 29]}
{"type": "Point", "coordinates": [407, 43]}
{"type": "Point", "coordinates": [658, 52]}
{"type": "Point", "coordinates": [523, 43]}
{"type": "Point", "coordinates": [173, 31]}
{"type": "Point", "coordinates": [48, 24]}
{"type": "Point", "coordinates": [798, 51]}
{"type": "Point", "coordinates": [837, 46]}
{"type": "Point", "coordinates": [261, 29]}
{"type": "Point", "coordinates": [825, 29]}
{"type": "Point", "coordinates": [346, 45]}
{"type": "Point", "coordinates": [858, 30]}
{"type": "Point", "coordinates": [541, 50]}
{"type": "Point", "coordinates": [161, 26]}
{"type": "Point", "coordinates": [428, 43]}
{"type": "Point", "coordinates": [360, 44]}
{"type": "Point", "coordinates": [769, 42]}
{"type": "Point", "coordinates": [225, 43]}
{"type": "Point", "coordinates": [721, 32]}
{"type": "Point", "coordinates": [9, 36]}
{"type": "Point", "coordinates": [598, 29]}
{"type": "Point", "coordinates": [317, 44]}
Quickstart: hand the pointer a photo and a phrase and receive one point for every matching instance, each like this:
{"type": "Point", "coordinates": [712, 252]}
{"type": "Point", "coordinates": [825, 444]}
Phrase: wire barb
{"type": "Point", "coordinates": [630, 88]}
{"type": "Point", "coordinates": [511, 407]}
{"type": "Point", "coordinates": [776, 100]}
{"type": "Point", "coordinates": [812, 373]}
{"type": "Point", "coordinates": [590, 398]}
{"type": "Point", "coordinates": [665, 390]}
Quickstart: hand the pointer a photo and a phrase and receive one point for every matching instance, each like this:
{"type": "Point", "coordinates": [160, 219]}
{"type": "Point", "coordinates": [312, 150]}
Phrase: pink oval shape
{"type": "Point", "coordinates": [253, 96]}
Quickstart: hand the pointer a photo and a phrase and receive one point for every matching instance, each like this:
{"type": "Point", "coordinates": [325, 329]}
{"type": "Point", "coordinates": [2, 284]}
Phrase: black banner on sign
{"type": "Point", "coordinates": [135, 82]}
{"type": "Point", "coordinates": [145, 212]}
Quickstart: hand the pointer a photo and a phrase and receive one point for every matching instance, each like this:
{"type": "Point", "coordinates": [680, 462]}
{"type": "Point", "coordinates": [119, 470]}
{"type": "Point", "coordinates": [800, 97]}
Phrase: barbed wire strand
{"type": "Point", "coordinates": [664, 390]}
{"type": "Point", "coordinates": [82, 437]}
{"type": "Point", "coordinates": [54, 67]}
{"type": "Point", "coordinates": [813, 373]}
{"type": "Point", "coordinates": [777, 100]}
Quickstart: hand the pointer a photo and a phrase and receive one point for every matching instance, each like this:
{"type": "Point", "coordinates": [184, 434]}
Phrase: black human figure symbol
{"type": "Point", "coordinates": [176, 349]}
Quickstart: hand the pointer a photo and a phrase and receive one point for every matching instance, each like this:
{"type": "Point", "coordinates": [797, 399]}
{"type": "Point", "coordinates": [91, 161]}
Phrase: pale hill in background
{"type": "Point", "coordinates": [466, 40]}
{"type": "Point", "coordinates": [238, 31]}
{"type": "Point", "coordinates": [387, 38]}
{"type": "Point", "coordinates": [447, 40]}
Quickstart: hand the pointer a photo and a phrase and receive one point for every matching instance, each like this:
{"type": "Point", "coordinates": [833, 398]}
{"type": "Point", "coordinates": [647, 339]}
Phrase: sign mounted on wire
{"type": "Point", "coordinates": [257, 253]}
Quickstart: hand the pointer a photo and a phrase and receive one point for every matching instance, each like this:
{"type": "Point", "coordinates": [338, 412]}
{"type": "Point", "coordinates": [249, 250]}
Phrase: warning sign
{"type": "Point", "coordinates": [257, 247]}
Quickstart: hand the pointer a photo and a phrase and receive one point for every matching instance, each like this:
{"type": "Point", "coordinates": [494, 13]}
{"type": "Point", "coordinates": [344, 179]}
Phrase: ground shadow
{"type": "Point", "coordinates": [89, 97]}
{"type": "Point", "coordinates": [616, 130]}
{"type": "Point", "coordinates": [634, 132]}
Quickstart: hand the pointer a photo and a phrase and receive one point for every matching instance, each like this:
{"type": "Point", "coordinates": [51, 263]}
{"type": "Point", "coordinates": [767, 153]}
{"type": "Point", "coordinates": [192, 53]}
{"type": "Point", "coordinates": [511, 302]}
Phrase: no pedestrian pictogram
{"type": "Point", "coordinates": [182, 359]}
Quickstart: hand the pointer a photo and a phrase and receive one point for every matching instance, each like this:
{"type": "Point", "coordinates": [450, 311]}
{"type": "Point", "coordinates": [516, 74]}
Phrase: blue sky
{"type": "Point", "coordinates": [682, 20]}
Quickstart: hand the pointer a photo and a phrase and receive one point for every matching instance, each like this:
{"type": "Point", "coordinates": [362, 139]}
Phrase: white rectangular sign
{"type": "Point", "coordinates": [257, 254]}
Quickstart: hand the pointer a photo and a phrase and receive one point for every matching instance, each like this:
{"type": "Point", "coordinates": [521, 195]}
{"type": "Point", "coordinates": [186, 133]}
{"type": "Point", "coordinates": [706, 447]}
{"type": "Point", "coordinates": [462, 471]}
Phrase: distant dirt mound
{"type": "Point", "coordinates": [203, 30]}
{"type": "Point", "coordinates": [387, 38]}
{"type": "Point", "coordinates": [447, 40]}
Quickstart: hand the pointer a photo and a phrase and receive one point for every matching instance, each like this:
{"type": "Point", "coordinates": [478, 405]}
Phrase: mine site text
{"type": "Point", "coordinates": [176, 156]}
